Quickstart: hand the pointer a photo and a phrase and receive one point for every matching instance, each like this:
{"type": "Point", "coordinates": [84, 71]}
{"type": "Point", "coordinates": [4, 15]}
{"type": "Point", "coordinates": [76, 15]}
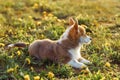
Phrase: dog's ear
{"type": "Point", "coordinates": [71, 21]}
{"type": "Point", "coordinates": [76, 25]}
{"type": "Point", "coordinates": [74, 31]}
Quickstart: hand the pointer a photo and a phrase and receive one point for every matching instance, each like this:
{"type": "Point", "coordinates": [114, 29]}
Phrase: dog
{"type": "Point", "coordinates": [65, 50]}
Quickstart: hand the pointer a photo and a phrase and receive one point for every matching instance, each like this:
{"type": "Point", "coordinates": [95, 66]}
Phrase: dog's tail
{"type": "Point", "coordinates": [19, 44]}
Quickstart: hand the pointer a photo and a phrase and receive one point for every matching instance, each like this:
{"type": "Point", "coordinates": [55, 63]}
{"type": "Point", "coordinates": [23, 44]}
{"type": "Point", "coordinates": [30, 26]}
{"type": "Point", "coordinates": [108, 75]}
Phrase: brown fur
{"type": "Point", "coordinates": [53, 50]}
{"type": "Point", "coordinates": [20, 44]}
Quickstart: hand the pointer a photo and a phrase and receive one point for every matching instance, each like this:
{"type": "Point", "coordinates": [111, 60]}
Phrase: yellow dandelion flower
{"type": "Point", "coordinates": [86, 71]}
{"type": "Point", "coordinates": [38, 23]}
{"type": "Point", "coordinates": [83, 67]}
{"type": "Point", "coordinates": [2, 45]}
{"type": "Point", "coordinates": [10, 30]}
{"type": "Point", "coordinates": [6, 35]}
{"type": "Point", "coordinates": [42, 36]}
{"type": "Point", "coordinates": [50, 15]}
{"type": "Point", "coordinates": [35, 6]}
{"type": "Point", "coordinates": [50, 74]}
{"type": "Point", "coordinates": [30, 17]}
{"type": "Point", "coordinates": [115, 78]}
{"type": "Point", "coordinates": [63, 21]}
{"type": "Point", "coordinates": [28, 60]}
{"type": "Point", "coordinates": [107, 64]}
{"type": "Point", "coordinates": [11, 56]}
{"type": "Point", "coordinates": [46, 18]}
{"type": "Point", "coordinates": [18, 53]}
{"type": "Point", "coordinates": [19, 19]}
{"type": "Point", "coordinates": [16, 67]}
{"type": "Point", "coordinates": [103, 78]}
{"type": "Point", "coordinates": [37, 78]}
{"type": "Point", "coordinates": [44, 13]}
{"type": "Point", "coordinates": [21, 31]}
{"type": "Point", "coordinates": [98, 72]}
{"type": "Point", "coordinates": [32, 69]}
{"type": "Point", "coordinates": [10, 70]}
{"type": "Point", "coordinates": [95, 23]}
{"type": "Point", "coordinates": [55, 17]}
{"type": "Point", "coordinates": [107, 44]}
{"type": "Point", "coordinates": [26, 77]}
{"type": "Point", "coordinates": [59, 20]}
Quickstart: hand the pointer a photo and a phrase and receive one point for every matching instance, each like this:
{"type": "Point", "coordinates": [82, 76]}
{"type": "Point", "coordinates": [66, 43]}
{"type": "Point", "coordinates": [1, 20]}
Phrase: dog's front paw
{"type": "Point", "coordinates": [85, 61]}
{"type": "Point", "coordinates": [82, 66]}
{"type": "Point", "coordinates": [76, 64]}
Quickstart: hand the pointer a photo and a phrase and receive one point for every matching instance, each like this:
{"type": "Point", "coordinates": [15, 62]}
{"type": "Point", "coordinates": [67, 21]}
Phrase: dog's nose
{"type": "Point", "coordinates": [90, 38]}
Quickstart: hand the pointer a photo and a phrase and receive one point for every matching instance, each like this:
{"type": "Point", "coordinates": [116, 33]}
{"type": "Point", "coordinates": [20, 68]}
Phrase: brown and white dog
{"type": "Point", "coordinates": [65, 50]}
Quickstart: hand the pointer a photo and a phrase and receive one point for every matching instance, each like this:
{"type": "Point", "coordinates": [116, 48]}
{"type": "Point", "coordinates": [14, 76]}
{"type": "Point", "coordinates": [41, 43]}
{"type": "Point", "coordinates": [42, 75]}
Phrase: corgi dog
{"type": "Point", "coordinates": [65, 50]}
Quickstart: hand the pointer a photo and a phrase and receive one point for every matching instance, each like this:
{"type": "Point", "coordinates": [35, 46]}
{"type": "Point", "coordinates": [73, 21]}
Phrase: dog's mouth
{"type": "Point", "coordinates": [88, 42]}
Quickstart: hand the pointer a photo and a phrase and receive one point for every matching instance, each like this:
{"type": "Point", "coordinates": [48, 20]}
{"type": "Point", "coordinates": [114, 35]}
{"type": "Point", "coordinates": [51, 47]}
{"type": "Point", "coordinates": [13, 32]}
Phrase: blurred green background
{"type": "Point", "coordinates": [28, 20]}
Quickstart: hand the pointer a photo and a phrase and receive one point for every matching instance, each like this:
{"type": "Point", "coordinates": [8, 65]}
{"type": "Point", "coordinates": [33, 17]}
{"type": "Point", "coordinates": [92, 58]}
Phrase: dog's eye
{"type": "Point", "coordinates": [88, 30]}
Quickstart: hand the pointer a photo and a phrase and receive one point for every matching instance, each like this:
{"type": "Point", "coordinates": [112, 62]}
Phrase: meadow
{"type": "Point", "coordinates": [29, 20]}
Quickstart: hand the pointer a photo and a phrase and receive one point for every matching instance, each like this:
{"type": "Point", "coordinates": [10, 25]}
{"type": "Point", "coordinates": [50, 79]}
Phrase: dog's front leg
{"type": "Point", "coordinates": [85, 61]}
{"type": "Point", "coordinates": [76, 64]}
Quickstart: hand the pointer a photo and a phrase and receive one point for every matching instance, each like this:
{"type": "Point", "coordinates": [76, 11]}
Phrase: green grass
{"type": "Point", "coordinates": [28, 20]}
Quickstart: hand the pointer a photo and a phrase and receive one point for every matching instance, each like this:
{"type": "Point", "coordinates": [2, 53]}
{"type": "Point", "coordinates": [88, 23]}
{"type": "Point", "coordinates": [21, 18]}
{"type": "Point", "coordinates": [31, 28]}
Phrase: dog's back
{"type": "Point", "coordinates": [47, 49]}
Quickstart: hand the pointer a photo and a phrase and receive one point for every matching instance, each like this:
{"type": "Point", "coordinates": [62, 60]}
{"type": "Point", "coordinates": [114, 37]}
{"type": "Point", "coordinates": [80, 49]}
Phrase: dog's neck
{"type": "Point", "coordinates": [68, 45]}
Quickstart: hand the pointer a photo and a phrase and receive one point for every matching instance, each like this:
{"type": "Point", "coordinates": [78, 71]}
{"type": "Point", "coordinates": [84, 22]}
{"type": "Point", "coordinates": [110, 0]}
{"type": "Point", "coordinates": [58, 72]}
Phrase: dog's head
{"type": "Point", "coordinates": [76, 33]}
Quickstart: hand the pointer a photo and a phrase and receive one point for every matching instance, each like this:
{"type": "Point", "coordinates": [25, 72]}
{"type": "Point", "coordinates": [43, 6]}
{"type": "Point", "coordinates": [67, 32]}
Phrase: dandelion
{"type": "Point", "coordinates": [37, 78]}
{"type": "Point", "coordinates": [35, 6]}
{"type": "Point", "coordinates": [30, 17]}
{"type": "Point", "coordinates": [10, 70]}
{"type": "Point", "coordinates": [63, 21]}
{"type": "Point", "coordinates": [26, 77]}
{"type": "Point", "coordinates": [107, 44]}
{"type": "Point", "coordinates": [2, 45]}
{"type": "Point", "coordinates": [18, 53]}
{"type": "Point", "coordinates": [28, 60]}
{"type": "Point", "coordinates": [115, 78]}
{"type": "Point", "coordinates": [86, 71]}
{"type": "Point", "coordinates": [6, 35]}
{"type": "Point", "coordinates": [21, 31]}
{"type": "Point", "coordinates": [32, 69]}
{"type": "Point", "coordinates": [19, 19]}
{"type": "Point", "coordinates": [103, 78]}
{"type": "Point", "coordinates": [98, 72]}
{"type": "Point", "coordinates": [95, 23]}
{"type": "Point", "coordinates": [10, 30]}
{"type": "Point", "coordinates": [50, 15]}
{"type": "Point", "coordinates": [55, 17]}
{"type": "Point", "coordinates": [107, 64]}
{"type": "Point", "coordinates": [42, 36]}
{"type": "Point", "coordinates": [50, 75]}
{"type": "Point", "coordinates": [38, 23]}
{"type": "Point", "coordinates": [16, 67]}
{"type": "Point", "coordinates": [11, 56]}
{"type": "Point", "coordinates": [83, 67]}
{"type": "Point", "coordinates": [59, 20]}
{"type": "Point", "coordinates": [44, 13]}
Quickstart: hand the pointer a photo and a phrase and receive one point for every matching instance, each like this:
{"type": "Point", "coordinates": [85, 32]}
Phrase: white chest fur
{"type": "Point", "coordinates": [75, 52]}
